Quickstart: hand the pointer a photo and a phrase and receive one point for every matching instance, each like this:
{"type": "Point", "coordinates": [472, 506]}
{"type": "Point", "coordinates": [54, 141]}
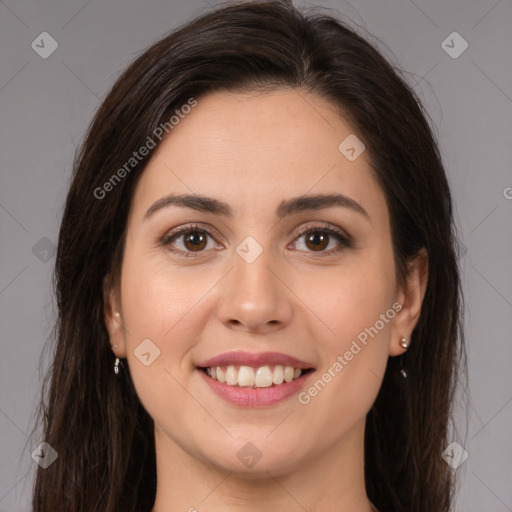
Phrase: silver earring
{"type": "Point", "coordinates": [403, 344]}
{"type": "Point", "coordinates": [116, 366]}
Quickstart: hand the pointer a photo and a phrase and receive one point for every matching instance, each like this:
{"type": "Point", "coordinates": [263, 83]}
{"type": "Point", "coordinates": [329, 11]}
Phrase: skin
{"type": "Point", "coordinates": [253, 151]}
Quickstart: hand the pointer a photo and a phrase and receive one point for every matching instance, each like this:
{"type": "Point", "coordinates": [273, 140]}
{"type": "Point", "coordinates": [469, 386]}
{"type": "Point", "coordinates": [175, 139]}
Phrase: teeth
{"type": "Point", "coordinates": [248, 377]}
{"type": "Point", "coordinates": [264, 377]}
{"type": "Point", "coordinates": [278, 376]}
{"type": "Point", "coordinates": [231, 376]}
{"type": "Point", "coordinates": [288, 374]}
{"type": "Point", "coordinates": [221, 376]}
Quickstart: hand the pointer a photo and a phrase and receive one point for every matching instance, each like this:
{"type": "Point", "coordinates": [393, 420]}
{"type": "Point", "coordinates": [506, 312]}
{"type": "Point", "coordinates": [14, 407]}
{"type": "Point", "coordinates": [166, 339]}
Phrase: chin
{"type": "Point", "coordinates": [251, 462]}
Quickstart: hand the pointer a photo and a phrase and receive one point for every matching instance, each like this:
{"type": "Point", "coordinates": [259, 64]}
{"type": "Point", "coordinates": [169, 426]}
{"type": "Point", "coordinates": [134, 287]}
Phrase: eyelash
{"type": "Point", "coordinates": [344, 240]}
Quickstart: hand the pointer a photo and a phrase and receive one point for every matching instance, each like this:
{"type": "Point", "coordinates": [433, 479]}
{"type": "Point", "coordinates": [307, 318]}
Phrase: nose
{"type": "Point", "coordinates": [255, 297]}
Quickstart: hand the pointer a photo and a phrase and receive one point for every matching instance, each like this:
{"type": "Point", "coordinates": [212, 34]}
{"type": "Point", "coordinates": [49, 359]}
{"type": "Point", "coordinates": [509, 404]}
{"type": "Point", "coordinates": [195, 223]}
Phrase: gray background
{"type": "Point", "coordinates": [46, 105]}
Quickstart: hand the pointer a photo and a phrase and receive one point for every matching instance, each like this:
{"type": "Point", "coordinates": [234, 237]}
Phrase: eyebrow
{"type": "Point", "coordinates": [285, 208]}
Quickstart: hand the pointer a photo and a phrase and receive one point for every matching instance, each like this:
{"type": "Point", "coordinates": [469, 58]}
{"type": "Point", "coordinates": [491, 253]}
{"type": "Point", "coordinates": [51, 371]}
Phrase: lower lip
{"type": "Point", "coordinates": [255, 397]}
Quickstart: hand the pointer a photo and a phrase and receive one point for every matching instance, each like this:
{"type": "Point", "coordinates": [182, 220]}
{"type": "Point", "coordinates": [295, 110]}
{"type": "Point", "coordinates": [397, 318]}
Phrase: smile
{"type": "Point", "coordinates": [249, 377]}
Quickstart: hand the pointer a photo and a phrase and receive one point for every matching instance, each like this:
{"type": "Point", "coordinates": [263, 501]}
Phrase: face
{"type": "Point", "coordinates": [303, 284]}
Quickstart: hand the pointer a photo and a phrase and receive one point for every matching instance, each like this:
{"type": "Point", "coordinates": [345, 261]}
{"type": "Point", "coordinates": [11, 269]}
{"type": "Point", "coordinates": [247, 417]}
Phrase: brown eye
{"type": "Point", "coordinates": [317, 241]}
{"type": "Point", "coordinates": [318, 238]}
{"type": "Point", "coordinates": [188, 240]}
{"type": "Point", "coordinates": [194, 241]}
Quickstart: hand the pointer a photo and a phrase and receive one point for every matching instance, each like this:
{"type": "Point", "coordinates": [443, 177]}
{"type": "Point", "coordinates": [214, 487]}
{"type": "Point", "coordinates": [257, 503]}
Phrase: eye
{"type": "Point", "coordinates": [318, 238]}
{"type": "Point", "coordinates": [190, 239]}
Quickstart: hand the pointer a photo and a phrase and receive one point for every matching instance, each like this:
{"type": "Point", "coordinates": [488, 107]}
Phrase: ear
{"type": "Point", "coordinates": [410, 296]}
{"type": "Point", "coordinates": [112, 316]}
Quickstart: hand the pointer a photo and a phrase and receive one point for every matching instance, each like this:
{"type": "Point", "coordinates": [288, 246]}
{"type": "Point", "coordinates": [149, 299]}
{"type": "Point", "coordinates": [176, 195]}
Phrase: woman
{"type": "Point", "coordinates": [258, 230]}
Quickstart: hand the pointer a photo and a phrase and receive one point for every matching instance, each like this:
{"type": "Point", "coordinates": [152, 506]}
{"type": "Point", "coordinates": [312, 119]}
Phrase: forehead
{"type": "Point", "coordinates": [253, 149]}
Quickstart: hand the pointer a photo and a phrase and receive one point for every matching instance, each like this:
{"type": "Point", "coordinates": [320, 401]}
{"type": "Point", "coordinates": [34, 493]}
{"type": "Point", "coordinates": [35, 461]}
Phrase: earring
{"type": "Point", "coordinates": [403, 344]}
{"type": "Point", "coordinates": [116, 366]}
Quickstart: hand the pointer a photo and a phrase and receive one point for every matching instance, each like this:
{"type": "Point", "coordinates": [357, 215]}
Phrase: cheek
{"type": "Point", "coordinates": [355, 302]}
{"type": "Point", "coordinates": [358, 312]}
{"type": "Point", "coordinates": [158, 308]}
{"type": "Point", "coordinates": [156, 302]}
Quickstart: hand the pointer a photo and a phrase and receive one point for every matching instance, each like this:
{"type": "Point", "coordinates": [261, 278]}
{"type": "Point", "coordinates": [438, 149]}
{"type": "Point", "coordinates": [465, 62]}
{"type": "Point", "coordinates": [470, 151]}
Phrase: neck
{"type": "Point", "coordinates": [332, 481]}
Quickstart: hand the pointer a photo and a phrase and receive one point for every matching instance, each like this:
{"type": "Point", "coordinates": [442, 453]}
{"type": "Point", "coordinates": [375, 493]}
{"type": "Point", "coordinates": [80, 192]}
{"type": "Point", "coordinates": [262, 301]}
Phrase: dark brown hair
{"type": "Point", "coordinates": [94, 419]}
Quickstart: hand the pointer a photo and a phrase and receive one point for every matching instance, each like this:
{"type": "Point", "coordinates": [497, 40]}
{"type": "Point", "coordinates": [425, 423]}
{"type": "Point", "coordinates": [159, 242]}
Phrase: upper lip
{"type": "Point", "coordinates": [243, 358]}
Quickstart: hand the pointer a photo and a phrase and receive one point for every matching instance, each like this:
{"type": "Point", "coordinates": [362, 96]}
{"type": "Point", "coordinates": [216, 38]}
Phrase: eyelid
{"type": "Point", "coordinates": [180, 230]}
{"type": "Point", "coordinates": [183, 230]}
{"type": "Point", "coordinates": [329, 228]}
{"type": "Point", "coordinates": [345, 241]}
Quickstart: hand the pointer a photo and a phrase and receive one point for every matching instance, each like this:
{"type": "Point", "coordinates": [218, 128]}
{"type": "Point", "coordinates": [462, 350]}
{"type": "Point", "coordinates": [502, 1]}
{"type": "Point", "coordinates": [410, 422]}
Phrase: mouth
{"type": "Point", "coordinates": [247, 379]}
{"type": "Point", "coordinates": [254, 377]}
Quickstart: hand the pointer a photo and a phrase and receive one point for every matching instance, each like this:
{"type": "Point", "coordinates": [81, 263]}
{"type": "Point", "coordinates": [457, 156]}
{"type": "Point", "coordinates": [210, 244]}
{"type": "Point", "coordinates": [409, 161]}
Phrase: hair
{"type": "Point", "coordinates": [93, 419]}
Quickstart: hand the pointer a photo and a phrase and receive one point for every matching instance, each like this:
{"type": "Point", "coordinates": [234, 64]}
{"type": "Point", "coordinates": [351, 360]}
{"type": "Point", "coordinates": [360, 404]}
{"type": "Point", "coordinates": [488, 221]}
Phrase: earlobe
{"type": "Point", "coordinates": [411, 297]}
